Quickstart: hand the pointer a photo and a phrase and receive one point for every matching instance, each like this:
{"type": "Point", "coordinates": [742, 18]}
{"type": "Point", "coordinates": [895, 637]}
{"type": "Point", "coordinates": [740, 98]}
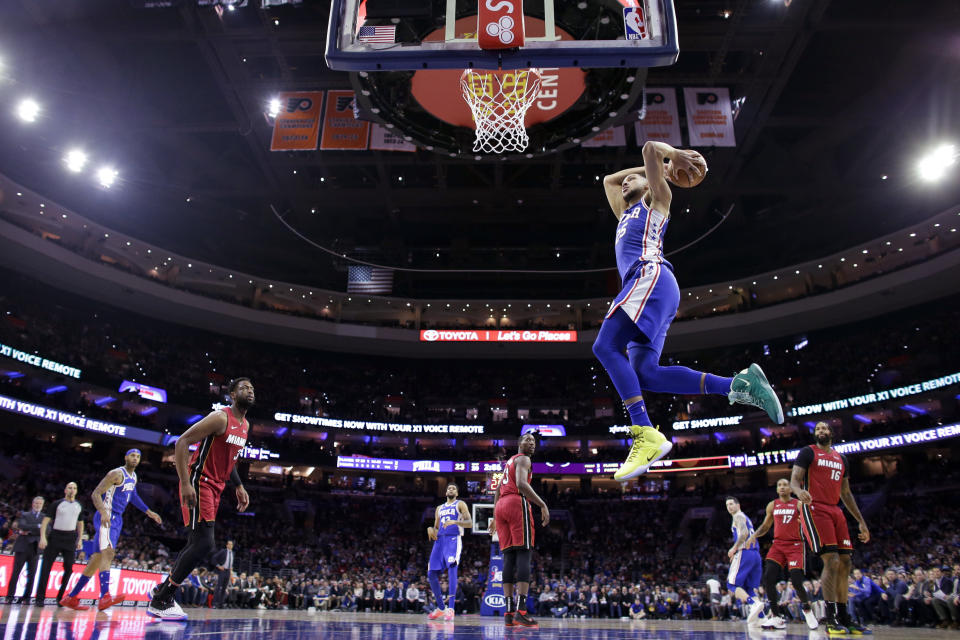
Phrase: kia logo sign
{"type": "Point", "coordinates": [495, 600]}
{"type": "Point", "coordinates": [431, 335]}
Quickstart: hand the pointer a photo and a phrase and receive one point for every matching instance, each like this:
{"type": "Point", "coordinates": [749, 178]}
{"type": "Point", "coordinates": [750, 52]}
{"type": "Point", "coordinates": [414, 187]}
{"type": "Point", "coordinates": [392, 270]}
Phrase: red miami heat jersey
{"type": "Point", "coordinates": [508, 484]}
{"type": "Point", "coordinates": [786, 520]}
{"type": "Point", "coordinates": [214, 458]}
{"type": "Point", "coordinates": [825, 473]}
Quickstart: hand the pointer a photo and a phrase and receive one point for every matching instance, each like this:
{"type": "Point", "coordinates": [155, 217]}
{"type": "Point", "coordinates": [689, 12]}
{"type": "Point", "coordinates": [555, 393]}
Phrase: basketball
{"type": "Point", "coordinates": [682, 179]}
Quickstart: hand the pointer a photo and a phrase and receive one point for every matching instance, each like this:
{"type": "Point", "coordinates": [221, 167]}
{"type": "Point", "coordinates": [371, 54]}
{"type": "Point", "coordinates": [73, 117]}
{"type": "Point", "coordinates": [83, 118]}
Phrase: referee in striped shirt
{"type": "Point", "coordinates": [65, 539]}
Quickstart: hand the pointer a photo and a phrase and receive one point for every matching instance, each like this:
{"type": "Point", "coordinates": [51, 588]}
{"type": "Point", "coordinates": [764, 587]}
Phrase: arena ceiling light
{"type": "Point", "coordinates": [273, 108]}
{"type": "Point", "coordinates": [934, 165]}
{"type": "Point", "coordinates": [28, 109]}
{"type": "Point", "coordinates": [106, 176]}
{"type": "Point", "coordinates": [76, 160]}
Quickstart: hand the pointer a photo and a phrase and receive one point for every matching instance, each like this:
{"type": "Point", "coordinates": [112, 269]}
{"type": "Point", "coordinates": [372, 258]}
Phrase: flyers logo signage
{"type": "Point", "coordinates": [297, 126]}
{"type": "Point", "coordinates": [500, 24]}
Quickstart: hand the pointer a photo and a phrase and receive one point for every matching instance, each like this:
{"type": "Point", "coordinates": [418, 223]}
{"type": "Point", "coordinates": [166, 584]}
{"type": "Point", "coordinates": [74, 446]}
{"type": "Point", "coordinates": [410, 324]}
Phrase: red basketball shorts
{"type": "Point", "coordinates": [205, 510]}
{"type": "Point", "coordinates": [788, 554]}
{"type": "Point", "coordinates": [825, 528]}
{"type": "Point", "coordinates": [514, 517]}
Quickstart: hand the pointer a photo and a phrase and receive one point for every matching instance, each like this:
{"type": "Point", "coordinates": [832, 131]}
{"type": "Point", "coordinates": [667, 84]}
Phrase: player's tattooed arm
{"type": "Point", "coordinates": [112, 478]}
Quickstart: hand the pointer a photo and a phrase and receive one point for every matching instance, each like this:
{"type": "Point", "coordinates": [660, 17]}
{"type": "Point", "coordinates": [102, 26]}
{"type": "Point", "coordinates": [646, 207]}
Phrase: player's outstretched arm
{"type": "Point", "coordinates": [765, 525]}
{"type": "Point", "coordinates": [613, 187]}
{"type": "Point", "coordinates": [215, 423]}
{"type": "Point", "coordinates": [138, 502]}
{"type": "Point", "coordinates": [522, 466]}
{"type": "Point", "coordinates": [851, 503]}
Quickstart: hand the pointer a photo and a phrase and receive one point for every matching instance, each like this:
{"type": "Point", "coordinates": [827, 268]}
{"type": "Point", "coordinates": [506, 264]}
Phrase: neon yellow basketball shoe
{"type": "Point", "coordinates": [649, 445]}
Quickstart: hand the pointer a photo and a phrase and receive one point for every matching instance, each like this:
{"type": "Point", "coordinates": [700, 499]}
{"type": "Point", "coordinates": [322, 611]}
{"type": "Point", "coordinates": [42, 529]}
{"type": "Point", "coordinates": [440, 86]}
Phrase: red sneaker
{"type": "Point", "coordinates": [508, 619]}
{"type": "Point", "coordinates": [73, 602]}
{"type": "Point", "coordinates": [109, 600]}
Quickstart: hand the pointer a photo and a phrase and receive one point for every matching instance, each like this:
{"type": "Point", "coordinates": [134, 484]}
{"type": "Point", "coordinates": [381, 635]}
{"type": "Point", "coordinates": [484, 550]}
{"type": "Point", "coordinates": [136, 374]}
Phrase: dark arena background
{"type": "Point", "coordinates": [193, 191]}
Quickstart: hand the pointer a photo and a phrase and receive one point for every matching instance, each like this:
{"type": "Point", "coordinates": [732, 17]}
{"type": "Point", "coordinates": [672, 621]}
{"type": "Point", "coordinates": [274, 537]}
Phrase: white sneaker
{"type": "Point", "coordinates": [448, 614]}
{"type": "Point", "coordinates": [774, 622]}
{"type": "Point", "coordinates": [755, 610]}
{"type": "Point", "coordinates": [811, 619]}
{"type": "Point", "coordinates": [171, 611]}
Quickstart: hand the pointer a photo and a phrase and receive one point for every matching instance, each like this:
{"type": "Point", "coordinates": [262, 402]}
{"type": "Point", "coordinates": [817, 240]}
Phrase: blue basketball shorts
{"type": "Point", "coordinates": [445, 553]}
{"type": "Point", "coordinates": [746, 570]}
{"type": "Point", "coordinates": [650, 297]}
{"type": "Point", "coordinates": [107, 536]}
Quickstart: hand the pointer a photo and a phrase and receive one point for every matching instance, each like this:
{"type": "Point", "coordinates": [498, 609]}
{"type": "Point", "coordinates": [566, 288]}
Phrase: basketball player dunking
{"type": "Point", "coordinates": [110, 498]}
{"type": "Point", "coordinates": [513, 523]}
{"type": "Point", "coordinates": [449, 521]}
{"type": "Point", "coordinates": [632, 334]}
{"type": "Point", "coordinates": [745, 568]}
{"type": "Point", "coordinates": [819, 479]}
{"type": "Point", "coordinates": [786, 552]}
{"type": "Point", "coordinates": [222, 435]}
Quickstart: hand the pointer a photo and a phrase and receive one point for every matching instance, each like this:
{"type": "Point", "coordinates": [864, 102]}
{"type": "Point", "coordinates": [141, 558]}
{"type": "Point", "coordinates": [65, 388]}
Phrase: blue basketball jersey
{"type": "Point", "coordinates": [117, 496]}
{"type": "Point", "coordinates": [640, 234]}
{"type": "Point", "coordinates": [448, 512]}
{"type": "Point", "coordinates": [755, 545]}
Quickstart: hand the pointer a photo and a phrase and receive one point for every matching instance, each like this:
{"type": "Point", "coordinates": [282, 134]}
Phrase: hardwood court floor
{"type": "Point", "coordinates": [132, 623]}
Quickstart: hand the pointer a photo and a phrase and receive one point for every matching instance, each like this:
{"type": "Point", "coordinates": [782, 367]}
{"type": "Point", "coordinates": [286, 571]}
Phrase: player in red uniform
{"type": "Point", "coordinates": [820, 480]}
{"type": "Point", "coordinates": [786, 553]}
{"type": "Point", "coordinates": [513, 523]}
{"type": "Point", "coordinates": [221, 436]}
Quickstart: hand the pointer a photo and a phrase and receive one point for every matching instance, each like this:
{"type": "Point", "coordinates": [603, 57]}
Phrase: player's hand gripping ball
{"type": "Point", "coordinates": [687, 170]}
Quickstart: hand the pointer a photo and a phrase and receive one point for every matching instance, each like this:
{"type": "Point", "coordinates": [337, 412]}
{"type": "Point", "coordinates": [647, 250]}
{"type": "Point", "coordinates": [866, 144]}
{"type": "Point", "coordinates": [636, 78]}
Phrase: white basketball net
{"type": "Point", "coordinates": [499, 102]}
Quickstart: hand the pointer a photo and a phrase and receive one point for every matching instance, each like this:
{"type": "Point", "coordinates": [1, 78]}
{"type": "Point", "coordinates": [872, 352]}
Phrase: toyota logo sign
{"type": "Point", "coordinates": [431, 335]}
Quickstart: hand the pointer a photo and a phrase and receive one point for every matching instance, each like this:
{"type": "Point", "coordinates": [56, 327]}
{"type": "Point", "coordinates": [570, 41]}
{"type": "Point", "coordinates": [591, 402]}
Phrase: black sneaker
{"type": "Point", "coordinates": [508, 619]}
{"type": "Point", "coordinates": [523, 620]}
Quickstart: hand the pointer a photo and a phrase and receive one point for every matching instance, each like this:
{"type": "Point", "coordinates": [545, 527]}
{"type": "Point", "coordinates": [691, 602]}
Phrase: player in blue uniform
{"type": "Point", "coordinates": [631, 337]}
{"type": "Point", "coordinates": [449, 521]}
{"type": "Point", "coordinates": [110, 498]}
{"type": "Point", "coordinates": [746, 566]}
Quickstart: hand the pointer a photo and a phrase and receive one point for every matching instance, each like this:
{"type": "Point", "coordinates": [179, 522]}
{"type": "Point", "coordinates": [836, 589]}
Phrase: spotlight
{"type": "Point", "coordinates": [106, 176]}
{"type": "Point", "coordinates": [274, 109]}
{"type": "Point", "coordinates": [933, 166]}
{"type": "Point", "coordinates": [75, 160]}
{"type": "Point", "coordinates": [28, 110]}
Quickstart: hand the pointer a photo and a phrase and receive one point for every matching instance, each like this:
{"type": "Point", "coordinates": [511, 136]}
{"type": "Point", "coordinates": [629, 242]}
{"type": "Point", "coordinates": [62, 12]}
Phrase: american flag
{"type": "Point", "coordinates": [363, 279]}
{"type": "Point", "coordinates": [378, 34]}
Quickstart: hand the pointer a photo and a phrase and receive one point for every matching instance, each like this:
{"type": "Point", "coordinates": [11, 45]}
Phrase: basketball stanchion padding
{"type": "Point", "coordinates": [499, 102]}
